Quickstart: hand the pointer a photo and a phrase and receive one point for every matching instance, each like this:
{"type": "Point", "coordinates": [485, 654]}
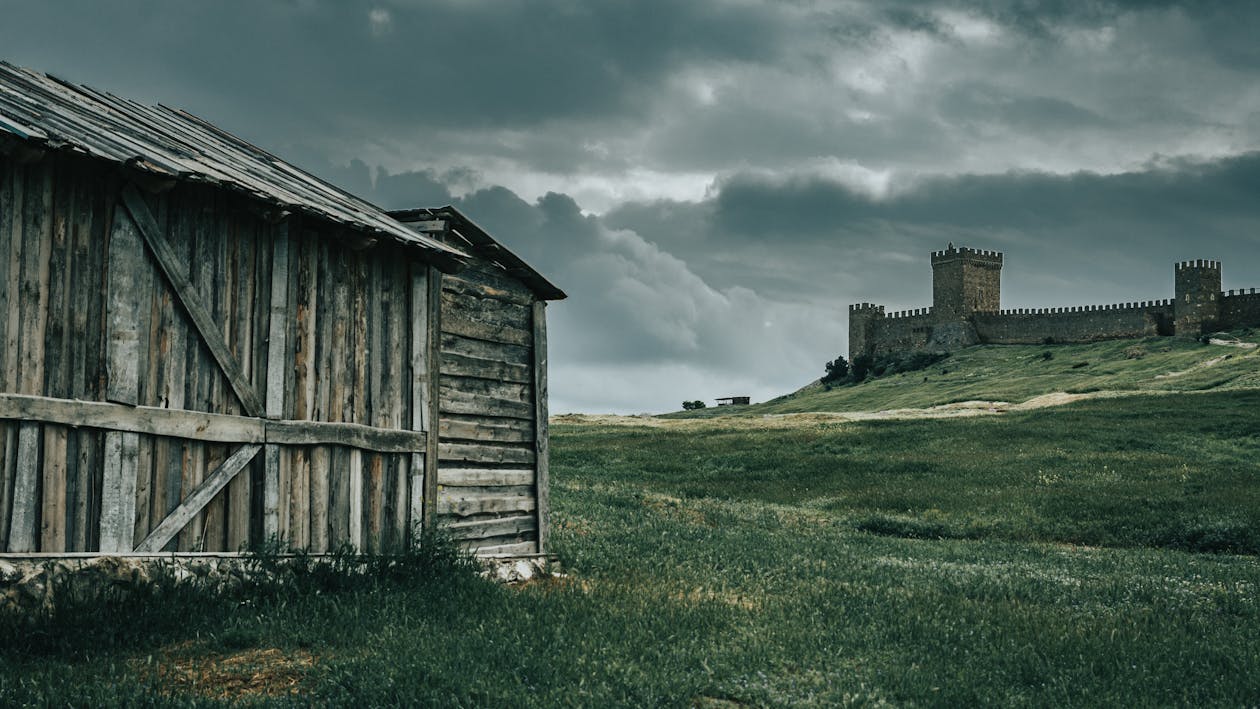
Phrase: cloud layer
{"type": "Point", "coordinates": [713, 181]}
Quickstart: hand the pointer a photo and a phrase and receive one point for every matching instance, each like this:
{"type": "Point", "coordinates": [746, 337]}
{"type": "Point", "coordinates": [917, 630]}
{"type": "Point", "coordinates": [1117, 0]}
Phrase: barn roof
{"type": "Point", "coordinates": [481, 244]}
{"type": "Point", "coordinates": [170, 143]}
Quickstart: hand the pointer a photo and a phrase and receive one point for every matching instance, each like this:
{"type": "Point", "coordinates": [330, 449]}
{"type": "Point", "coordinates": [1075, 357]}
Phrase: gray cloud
{"type": "Point", "coordinates": [713, 181]}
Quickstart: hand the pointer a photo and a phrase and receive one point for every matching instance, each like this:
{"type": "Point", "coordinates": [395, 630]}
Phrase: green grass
{"type": "Point", "coordinates": [1054, 557]}
{"type": "Point", "coordinates": [1017, 373]}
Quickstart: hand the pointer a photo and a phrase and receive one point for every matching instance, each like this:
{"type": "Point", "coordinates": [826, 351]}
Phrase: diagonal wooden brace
{"type": "Point", "coordinates": [174, 271]}
{"type": "Point", "coordinates": [198, 499]}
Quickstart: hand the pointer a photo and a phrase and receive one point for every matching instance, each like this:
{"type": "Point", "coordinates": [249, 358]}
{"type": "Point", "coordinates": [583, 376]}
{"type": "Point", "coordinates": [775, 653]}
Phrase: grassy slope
{"type": "Point", "coordinates": [1016, 373]}
{"type": "Point", "coordinates": [919, 562]}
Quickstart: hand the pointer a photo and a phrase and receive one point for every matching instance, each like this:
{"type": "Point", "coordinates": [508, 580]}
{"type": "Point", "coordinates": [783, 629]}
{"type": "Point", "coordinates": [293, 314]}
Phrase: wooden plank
{"type": "Point", "coordinates": [511, 549]}
{"type": "Point", "coordinates": [461, 365]}
{"type": "Point", "coordinates": [397, 350]}
{"type": "Point", "coordinates": [483, 330]}
{"type": "Point", "coordinates": [8, 460]}
{"type": "Point", "coordinates": [464, 506]}
{"type": "Point", "coordinates": [126, 263]}
{"type": "Point", "coordinates": [499, 527]}
{"type": "Point", "coordinates": [542, 445]}
{"type": "Point", "coordinates": [12, 335]}
{"type": "Point", "coordinates": [118, 492]}
{"type": "Point", "coordinates": [479, 453]}
{"type": "Point", "coordinates": [486, 429]}
{"type": "Point", "coordinates": [348, 434]}
{"type": "Point", "coordinates": [278, 328]}
{"type": "Point", "coordinates": [480, 349]}
{"type": "Point", "coordinates": [433, 364]}
{"type": "Point", "coordinates": [478, 477]}
{"type": "Point", "coordinates": [52, 520]}
{"type": "Point", "coordinates": [320, 470]}
{"type": "Point", "coordinates": [421, 385]}
{"type": "Point", "coordinates": [299, 525]}
{"type": "Point", "coordinates": [457, 402]}
{"type": "Point", "coordinates": [37, 211]}
{"type": "Point", "coordinates": [355, 493]}
{"type": "Point", "coordinates": [166, 530]}
{"type": "Point", "coordinates": [471, 284]}
{"type": "Point", "coordinates": [192, 302]}
{"type": "Point", "coordinates": [23, 521]}
{"type": "Point", "coordinates": [10, 183]}
{"type": "Point", "coordinates": [176, 423]}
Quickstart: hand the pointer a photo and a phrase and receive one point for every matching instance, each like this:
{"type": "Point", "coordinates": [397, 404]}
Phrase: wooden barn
{"type": "Point", "coordinates": [203, 347]}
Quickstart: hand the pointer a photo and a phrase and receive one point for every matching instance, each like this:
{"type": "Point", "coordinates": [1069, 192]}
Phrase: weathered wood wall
{"type": "Point", "coordinates": [488, 457]}
{"type": "Point", "coordinates": [347, 326]}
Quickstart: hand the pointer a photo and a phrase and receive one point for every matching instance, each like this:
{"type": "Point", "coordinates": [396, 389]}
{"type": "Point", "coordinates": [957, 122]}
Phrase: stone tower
{"type": "Point", "coordinates": [1197, 307]}
{"type": "Point", "coordinates": [862, 319]}
{"type": "Point", "coordinates": [965, 281]}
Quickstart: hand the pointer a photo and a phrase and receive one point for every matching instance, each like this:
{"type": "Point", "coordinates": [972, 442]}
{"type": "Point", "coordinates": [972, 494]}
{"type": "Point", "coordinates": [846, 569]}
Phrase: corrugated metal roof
{"type": "Point", "coordinates": [57, 114]}
{"type": "Point", "coordinates": [480, 243]}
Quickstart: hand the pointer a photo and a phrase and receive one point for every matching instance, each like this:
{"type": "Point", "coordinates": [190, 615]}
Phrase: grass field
{"type": "Point", "coordinates": [1017, 373]}
{"type": "Point", "coordinates": [1065, 556]}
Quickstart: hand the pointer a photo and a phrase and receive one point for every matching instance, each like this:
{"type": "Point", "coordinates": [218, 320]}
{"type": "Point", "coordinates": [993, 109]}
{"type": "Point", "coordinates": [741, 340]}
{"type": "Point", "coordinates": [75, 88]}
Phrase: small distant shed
{"type": "Point", "coordinates": [732, 400]}
{"type": "Point", "coordinates": [203, 347]}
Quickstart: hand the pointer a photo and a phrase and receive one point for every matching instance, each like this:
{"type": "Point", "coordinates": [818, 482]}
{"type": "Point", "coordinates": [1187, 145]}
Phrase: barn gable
{"type": "Point", "coordinates": [202, 347]}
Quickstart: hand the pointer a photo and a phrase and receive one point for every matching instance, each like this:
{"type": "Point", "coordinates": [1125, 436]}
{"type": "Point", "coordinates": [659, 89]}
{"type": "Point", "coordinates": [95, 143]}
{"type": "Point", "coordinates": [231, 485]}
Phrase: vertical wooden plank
{"type": "Point", "coordinates": [304, 307]}
{"type": "Point", "coordinates": [10, 219]}
{"type": "Point", "coordinates": [418, 316]}
{"type": "Point", "coordinates": [278, 328]}
{"type": "Point", "coordinates": [126, 264]}
{"type": "Point", "coordinates": [37, 211]}
{"type": "Point", "coordinates": [23, 521]}
{"type": "Point", "coordinates": [17, 246]}
{"type": "Point", "coordinates": [52, 518]}
{"type": "Point", "coordinates": [398, 352]}
{"type": "Point", "coordinates": [541, 442]}
{"type": "Point", "coordinates": [355, 494]}
{"type": "Point", "coordinates": [319, 477]}
{"type": "Point", "coordinates": [434, 363]}
{"type": "Point", "coordinates": [8, 456]}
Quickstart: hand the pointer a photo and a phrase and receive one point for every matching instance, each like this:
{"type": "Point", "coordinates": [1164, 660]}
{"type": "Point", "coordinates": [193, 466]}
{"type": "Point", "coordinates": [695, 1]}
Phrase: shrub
{"type": "Point", "coordinates": [837, 370]}
{"type": "Point", "coordinates": [693, 405]}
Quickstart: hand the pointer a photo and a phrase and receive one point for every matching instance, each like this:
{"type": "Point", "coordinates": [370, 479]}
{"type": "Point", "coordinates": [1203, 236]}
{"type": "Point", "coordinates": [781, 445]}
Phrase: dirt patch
{"type": "Point", "coordinates": [256, 672]}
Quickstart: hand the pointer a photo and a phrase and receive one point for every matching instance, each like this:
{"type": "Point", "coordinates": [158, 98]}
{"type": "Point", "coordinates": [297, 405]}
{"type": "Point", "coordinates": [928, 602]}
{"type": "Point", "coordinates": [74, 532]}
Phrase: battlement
{"type": "Point", "coordinates": [1200, 264]}
{"type": "Point", "coordinates": [963, 252]}
{"type": "Point", "coordinates": [912, 313]}
{"type": "Point", "coordinates": [867, 308]}
{"type": "Point", "coordinates": [1071, 309]}
{"type": "Point", "coordinates": [1241, 291]}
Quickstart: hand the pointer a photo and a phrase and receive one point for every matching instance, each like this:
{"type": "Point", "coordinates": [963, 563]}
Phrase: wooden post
{"type": "Point", "coordinates": [420, 386]}
{"type": "Point", "coordinates": [541, 445]}
{"type": "Point", "coordinates": [277, 364]}
{"type": "Point", "coordinates": [433, 366]}
{"type": "Point", "coordinates": [118, 488]}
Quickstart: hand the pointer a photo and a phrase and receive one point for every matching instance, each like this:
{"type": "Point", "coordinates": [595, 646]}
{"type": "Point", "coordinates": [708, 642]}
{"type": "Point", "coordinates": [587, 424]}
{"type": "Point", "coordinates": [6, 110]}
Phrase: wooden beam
{"type": "Point", "coordinates": [201, 426]}
{"type": "Point", "coordinates": [277, 365]}
{"type": "Point", "coordinates": [433, 367]}
{"type": "Point", "coordinates": [420, 390]}
{"type": "Point", "coordinates": [23, 529]}
{"type": "Point", "coordinates": [541, 444]}
{"type": "Point", "coordinates": [429, 226]}
{"type": "Point", "coordinates": [176, 423]}
{"type": "Point", "coordinates": [354, 435]}
{"type": "Point", "coordinates": [179, 517]}
{"type": "Point", "coordinates": [200, 316]}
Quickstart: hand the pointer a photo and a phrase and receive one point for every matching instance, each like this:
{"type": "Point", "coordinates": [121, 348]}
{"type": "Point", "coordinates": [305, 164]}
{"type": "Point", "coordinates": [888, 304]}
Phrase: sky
{"type": "Point", "coordinates": [713, 182]}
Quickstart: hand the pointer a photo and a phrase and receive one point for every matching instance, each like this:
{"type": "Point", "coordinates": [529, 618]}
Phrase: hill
{"type": "Point", "coordinates": [1013, 374]}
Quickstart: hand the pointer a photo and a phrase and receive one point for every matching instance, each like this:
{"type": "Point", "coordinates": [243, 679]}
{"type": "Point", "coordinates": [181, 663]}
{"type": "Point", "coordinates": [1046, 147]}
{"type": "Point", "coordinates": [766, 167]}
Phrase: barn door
{"type": "Point", "coordinates": [324, 418]}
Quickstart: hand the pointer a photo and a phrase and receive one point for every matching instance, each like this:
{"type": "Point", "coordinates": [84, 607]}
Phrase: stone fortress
{"type": "Point", "coordinates": [966, 310]}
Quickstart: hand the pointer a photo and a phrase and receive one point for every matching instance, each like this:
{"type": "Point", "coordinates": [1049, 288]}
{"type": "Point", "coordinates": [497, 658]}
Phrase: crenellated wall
{"type": "Point", "coordinates": [966, 285]}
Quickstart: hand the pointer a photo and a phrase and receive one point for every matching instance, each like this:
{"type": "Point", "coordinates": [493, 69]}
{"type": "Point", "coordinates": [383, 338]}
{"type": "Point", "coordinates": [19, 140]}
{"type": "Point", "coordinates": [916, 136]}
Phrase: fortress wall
{"type": "Point", "coordinates": [905, 331]}
{"type": "Point", "coordinates": [1240, 309]}
{"type": "Point", "coordinates": [1076, 324]}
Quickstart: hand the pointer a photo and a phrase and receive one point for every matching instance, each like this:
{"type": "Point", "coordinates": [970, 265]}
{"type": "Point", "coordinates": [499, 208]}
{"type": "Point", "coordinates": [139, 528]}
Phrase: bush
{"type": "Point", "coordinates": [693, 405]}
{"type": "Point", "coordinates": [837, 370]}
